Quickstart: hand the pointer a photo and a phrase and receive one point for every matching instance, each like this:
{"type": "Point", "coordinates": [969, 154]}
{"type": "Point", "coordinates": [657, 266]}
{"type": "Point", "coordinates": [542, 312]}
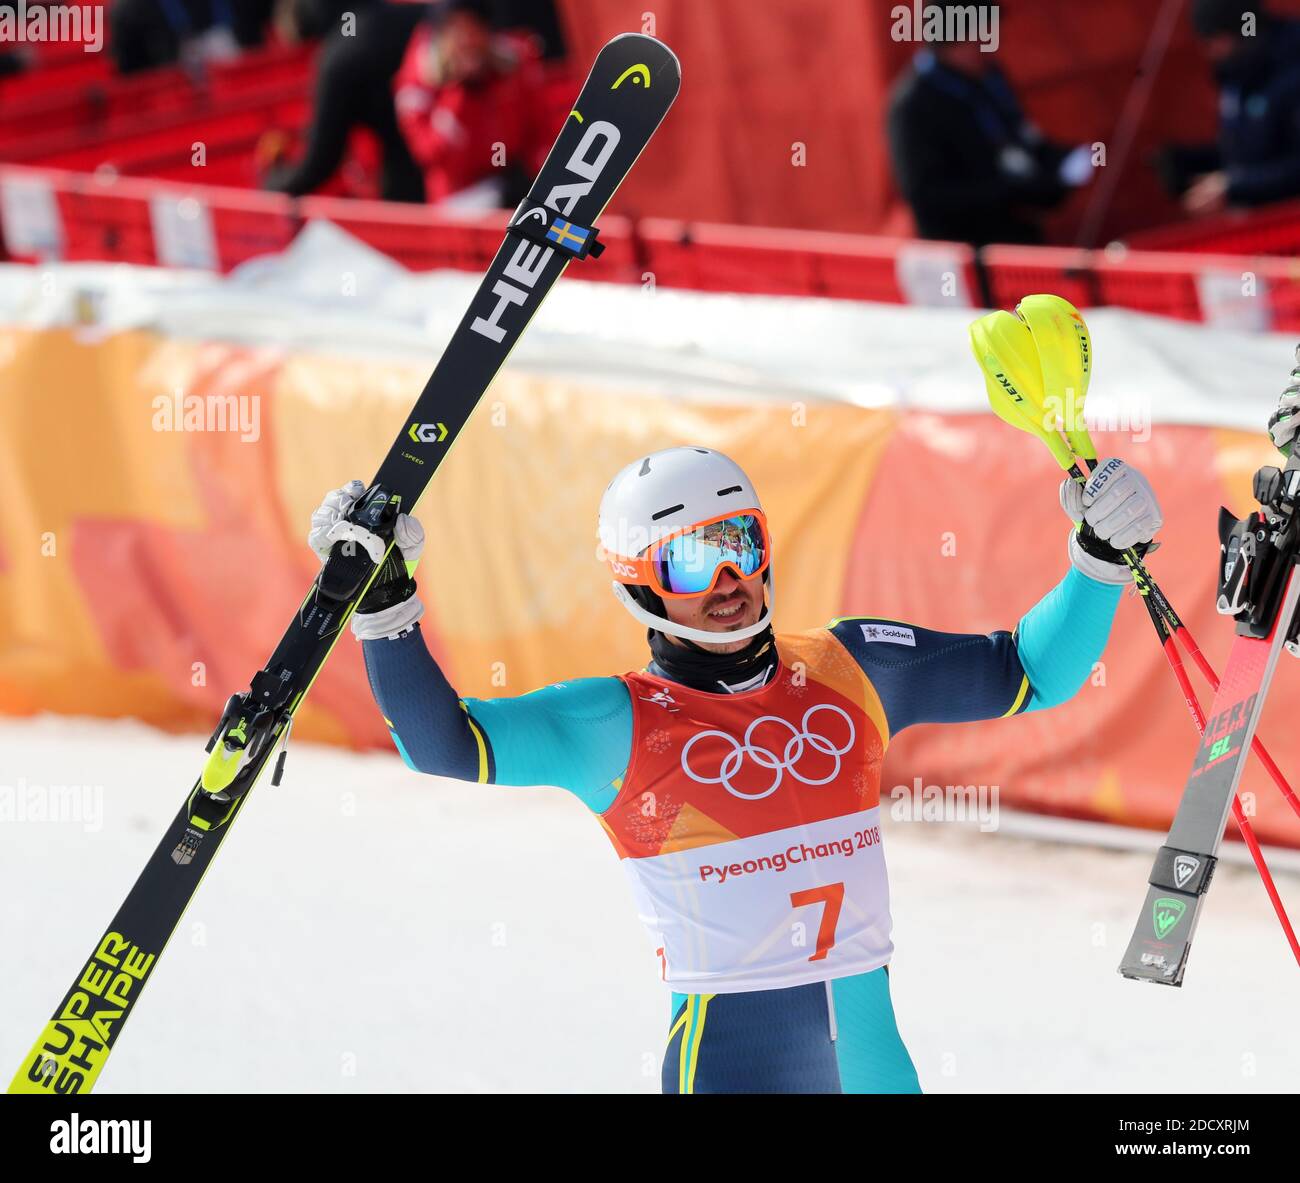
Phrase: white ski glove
{"type": "Point", "coordinates": [1121, 507]}
{"type": "Point", "coordinates": [390, 606]}
{"type": "Point", "coordinates": [1282, 425]}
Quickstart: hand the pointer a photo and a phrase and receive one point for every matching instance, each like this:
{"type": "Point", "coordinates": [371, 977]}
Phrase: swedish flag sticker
{"type": "Point", "coordinates": [565, 234]}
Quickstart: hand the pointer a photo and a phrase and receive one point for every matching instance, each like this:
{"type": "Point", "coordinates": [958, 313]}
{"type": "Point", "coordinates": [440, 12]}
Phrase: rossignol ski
{"type": "Point", "coordinates": [631, 86]}
{"type": "Point", "coordinates": [1258, 585]}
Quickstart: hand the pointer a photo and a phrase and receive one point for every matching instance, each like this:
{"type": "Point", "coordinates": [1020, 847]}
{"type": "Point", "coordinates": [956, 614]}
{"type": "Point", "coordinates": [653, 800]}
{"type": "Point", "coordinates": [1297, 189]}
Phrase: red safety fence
{"type": "Point", "coordinates": [48, 214]}
{"type": "Point", "coordinates": [1257, 293]}
{"type": "Point", "coordinates": [421, 239]}
{"type": "Point", "coordinates": [796, 262]}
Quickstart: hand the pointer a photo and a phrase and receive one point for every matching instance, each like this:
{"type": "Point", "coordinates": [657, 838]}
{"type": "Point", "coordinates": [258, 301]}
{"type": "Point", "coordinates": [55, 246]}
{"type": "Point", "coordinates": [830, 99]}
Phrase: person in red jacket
{"type": "Point", "coordinates": [470, 104]}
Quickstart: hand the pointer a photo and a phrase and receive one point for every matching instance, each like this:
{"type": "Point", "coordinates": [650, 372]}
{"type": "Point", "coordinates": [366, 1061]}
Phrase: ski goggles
{"type": "Point", "coordinates": [689, 562]}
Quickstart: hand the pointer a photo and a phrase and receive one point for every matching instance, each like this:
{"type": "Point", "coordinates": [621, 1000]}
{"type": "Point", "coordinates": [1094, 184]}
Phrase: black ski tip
{"type": "Point", "coordinates": [644, 42]}
{"type": "Point", "coordinates": [1227, 520]}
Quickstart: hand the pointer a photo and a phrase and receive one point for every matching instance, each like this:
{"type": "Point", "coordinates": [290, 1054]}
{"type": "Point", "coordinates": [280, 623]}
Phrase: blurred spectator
{"type": "Point", "coordinates": [1256, 60]}
{"type": "Point", "coordinates": [143, 34]}
{"type": "Point", "coordinates": [538, 17]}
{"type": "Point", "coordinates": [353, 89]}
{"type": "Point", "coordinates": [470, 102]}
{"type": "Point", "coordinates": [965, 158]}
{"type": "Point", "coordinates": [15, 61]}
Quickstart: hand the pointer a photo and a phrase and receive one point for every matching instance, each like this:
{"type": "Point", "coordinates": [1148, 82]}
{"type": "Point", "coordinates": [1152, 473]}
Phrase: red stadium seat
{"type": "Point", "coordinates": [1270, 230]}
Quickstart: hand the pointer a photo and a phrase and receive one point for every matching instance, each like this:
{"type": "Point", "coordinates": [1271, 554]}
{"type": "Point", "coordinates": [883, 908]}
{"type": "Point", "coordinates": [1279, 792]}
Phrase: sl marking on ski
{"type": "Point", "coordinates": [1217, 758]}
{"type": "Point", "coordinates": [638, 72]}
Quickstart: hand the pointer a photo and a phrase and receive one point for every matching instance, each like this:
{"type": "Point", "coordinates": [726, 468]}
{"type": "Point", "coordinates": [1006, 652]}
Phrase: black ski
{"type": "Point", "coordinates": [631, 86]}
{"type": "Point", "coordinates": [1260, 587]}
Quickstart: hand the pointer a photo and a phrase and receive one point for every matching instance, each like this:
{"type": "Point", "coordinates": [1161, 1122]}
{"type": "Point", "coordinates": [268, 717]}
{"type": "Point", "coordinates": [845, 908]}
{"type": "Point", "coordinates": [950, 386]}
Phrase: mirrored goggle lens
{"type": "Point", "coordinates": [687, 563]}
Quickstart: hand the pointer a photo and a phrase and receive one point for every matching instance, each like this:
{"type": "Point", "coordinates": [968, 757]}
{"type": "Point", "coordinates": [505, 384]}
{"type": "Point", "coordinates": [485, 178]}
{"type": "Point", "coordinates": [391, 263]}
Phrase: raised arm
{"type": "Point", "coordinates": [924, 676]}
{"type": "Point", "coordinates": [930, 677]}
{"type": "Point", "coordinates": [576, 735]}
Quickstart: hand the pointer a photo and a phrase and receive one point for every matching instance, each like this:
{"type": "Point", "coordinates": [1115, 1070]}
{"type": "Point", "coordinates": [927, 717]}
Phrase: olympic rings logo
{"type": "Point", "coordinates": [794, 749]}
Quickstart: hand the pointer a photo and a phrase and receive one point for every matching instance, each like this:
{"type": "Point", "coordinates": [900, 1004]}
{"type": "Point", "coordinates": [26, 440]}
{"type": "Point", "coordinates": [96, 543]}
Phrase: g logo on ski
{"type": "Point", "coordinates": [427, 433]}
{"type": "Point", "coordinates": [75, 1042]}
{"type": "Point", "coordinates": [525, 267]}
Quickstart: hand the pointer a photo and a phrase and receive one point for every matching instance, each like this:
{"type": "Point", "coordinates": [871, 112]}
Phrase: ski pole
{"type": "Point", "coordinates": [1163, 618]}
{"type": "Point", "coordinates": [1046, 346]}
{"type": "Point", "coordinates": [1016, 377]}
{"type": "Point", "coordinates": [1157, 601]}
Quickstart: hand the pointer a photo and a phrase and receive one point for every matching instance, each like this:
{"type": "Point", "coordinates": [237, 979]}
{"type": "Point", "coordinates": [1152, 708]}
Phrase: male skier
{"type": "Point", "coordinates": [738, 774]}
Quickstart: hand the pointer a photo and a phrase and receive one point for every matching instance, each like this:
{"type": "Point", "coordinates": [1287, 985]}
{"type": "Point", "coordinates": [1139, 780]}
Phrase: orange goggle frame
{"type": "Point", "coordinates": [684, 551]}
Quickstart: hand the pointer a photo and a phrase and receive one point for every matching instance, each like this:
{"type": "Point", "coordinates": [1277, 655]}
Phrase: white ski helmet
{"type": "Point", "coordinates": [663, 494]}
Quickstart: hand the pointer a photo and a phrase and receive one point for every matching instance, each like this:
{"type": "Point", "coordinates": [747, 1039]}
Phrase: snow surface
{"type": "Point", "coordinates": [367, 929]}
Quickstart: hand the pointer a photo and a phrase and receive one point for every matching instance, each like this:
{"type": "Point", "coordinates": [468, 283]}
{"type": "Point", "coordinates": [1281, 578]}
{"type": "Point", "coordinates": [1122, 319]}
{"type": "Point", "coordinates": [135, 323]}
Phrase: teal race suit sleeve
{"type": "Point", "coordinates": [931, 677]}
{"type": "Point", "coordinates": [578, 735]}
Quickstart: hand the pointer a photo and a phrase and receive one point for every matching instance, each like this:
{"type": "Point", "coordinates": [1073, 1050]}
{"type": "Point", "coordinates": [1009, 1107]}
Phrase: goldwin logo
{"type": "Point", "coordinates": [91, 1136]}
{"type": "Point", "coordinates": [892, 633]}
